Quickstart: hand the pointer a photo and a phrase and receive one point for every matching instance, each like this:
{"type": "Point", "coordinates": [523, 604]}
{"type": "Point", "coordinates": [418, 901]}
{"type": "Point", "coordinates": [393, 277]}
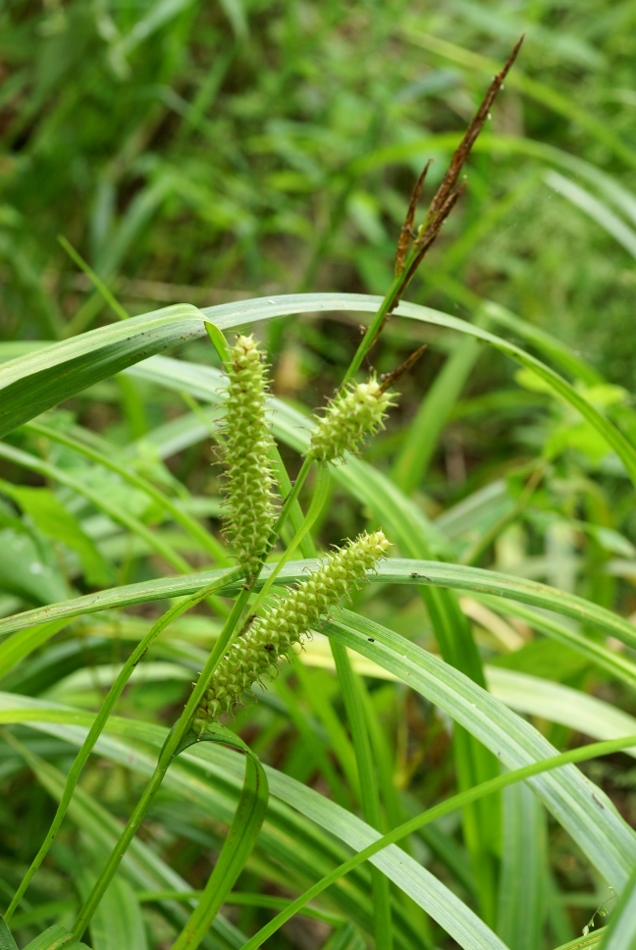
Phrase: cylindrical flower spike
{"type": "Point", "coordinates": [271, 636]}
{"type": "Point", "coordinates": [353, 414]}
{"type": "Point", "coordinates": [246, 441]}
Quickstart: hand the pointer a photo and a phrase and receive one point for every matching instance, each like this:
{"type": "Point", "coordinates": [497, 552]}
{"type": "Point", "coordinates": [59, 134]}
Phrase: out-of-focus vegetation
{"type": "Point", "coordinates": [197, 151]}
{"type": "Point", "coordinates": [213, 152]}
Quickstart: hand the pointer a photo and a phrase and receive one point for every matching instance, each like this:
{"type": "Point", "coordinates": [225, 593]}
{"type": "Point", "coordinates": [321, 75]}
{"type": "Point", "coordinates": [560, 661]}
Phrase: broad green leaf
{"type": "Point", "coordinates": [54, 520]}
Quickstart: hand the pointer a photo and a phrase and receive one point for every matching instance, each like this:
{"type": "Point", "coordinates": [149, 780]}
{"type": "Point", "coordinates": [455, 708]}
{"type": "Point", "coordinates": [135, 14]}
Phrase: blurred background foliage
{"type": "Point", "coordinates": [200, 151]}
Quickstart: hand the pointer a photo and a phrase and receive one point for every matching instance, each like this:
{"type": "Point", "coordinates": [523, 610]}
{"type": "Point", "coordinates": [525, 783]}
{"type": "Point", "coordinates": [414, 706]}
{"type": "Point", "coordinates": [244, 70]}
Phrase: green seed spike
{"type": "Point", "coordinates": [246, 441]}
{"type": "Point", "coordinates": [271, 636]}
{"type": "Point", "coordinates": [355, 413]}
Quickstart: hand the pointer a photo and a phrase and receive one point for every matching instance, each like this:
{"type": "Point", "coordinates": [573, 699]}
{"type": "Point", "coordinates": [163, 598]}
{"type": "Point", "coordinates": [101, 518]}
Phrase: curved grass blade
{"type": "Point", "coordinates": [98, 726]}
{"type": "Point", "coordinates": [33, 383]}
{"type": "Point", "coordinates": [303, 830]}
{"type": "Point", "coordinates": [581, 808]}
{"type": "Point", "coordinates": [395, 570]}
{"type": "Point", "coordinates": [238, 845]}
{"type": "Point", "coordinates": [307, 801]}
{"type": "Point", "coordinates": [143, 867]}
{"type": "Point", "coordinates": [503, 781]}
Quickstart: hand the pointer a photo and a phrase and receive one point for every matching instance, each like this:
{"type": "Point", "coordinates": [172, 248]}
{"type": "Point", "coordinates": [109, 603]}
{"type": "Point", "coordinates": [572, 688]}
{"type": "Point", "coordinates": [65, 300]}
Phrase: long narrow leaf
{"type": "Point", "coordinates": [237, 847]}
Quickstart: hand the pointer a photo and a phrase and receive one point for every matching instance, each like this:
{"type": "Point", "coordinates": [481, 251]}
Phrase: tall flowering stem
{"type": "Point", "coordinates": [250, 511]}
{"type": "Point", "coordinates": [271, 636]}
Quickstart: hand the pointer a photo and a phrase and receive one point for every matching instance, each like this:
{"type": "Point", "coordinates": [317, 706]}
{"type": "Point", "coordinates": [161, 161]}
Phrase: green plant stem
{"type": "Point", "coordinates": [444, 808]}
{"type": "Point", "coordinates": [99, 284]}
{"type": "Point", "coordinates": [168, 752]}
{"type": "Point", "coordinates": [291, 498]}
{"type": "Point", "coordinates": [317, 502]}
{"type": "Point", "coordinates": [390, 301]}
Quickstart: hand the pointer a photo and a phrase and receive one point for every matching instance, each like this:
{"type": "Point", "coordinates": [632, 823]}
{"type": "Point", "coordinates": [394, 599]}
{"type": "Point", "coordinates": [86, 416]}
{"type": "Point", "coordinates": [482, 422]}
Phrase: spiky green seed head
{"type": "Point", "coordinates": [257, 654]}
{"type": "Point", "coordinates": [355, 413]}
{"type": "Point", "coordinates": [250, 513]}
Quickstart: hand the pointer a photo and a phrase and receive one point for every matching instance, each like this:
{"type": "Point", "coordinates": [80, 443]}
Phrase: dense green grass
{"type": "Point", "coordinates": [257, 163]}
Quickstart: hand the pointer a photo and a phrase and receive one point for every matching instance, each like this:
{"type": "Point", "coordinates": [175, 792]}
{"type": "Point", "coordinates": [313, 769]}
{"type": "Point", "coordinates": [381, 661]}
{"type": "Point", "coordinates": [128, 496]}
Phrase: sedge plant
{"type": "Point", "coordinates": [275, 819]}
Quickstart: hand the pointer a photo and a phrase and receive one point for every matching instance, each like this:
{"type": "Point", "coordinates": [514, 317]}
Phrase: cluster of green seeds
{"type": "Point", "coordinates": [271, 636]}
{"type": "Point", "coordinates": [246, 443]}
{"type": "Point", "coordinates": [353, 414]}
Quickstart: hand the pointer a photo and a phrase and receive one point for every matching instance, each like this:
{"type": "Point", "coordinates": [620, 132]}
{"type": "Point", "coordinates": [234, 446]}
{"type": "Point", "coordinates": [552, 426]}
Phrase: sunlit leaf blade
{"type": "Point", "coordinates": [424, 888]}
{"type": "Point", "coordinates": [30, 384]}
{"type": "Point", "coordinates": [398, 571]}
{"type": "Point", "coordinates": [582, 809]}
{"type": "Point", "coordinates": [33, 383]}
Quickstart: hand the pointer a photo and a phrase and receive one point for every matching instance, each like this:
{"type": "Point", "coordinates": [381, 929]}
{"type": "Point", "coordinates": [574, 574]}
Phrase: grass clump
{"type": "Point", "coordinates": [509, 511]}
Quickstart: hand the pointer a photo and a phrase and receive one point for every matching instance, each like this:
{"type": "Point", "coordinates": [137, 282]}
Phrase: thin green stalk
{"type": "Point", "coordinates": [444, 808]}
{"type": "Point", "coordinates": [97, 282]}
{"type": "Point", "coordinates": [391, 299]}
{"type": "Point", "coordinates": [317, 502]}
{"type": "Point", "coordinates": [100, 721]}
{"type": "Point", "coordinates": [292, 497]}
{"type": "Point", "coordinates": [168, 752]}
{"type": "Point", "coordinates": [177, 734]}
